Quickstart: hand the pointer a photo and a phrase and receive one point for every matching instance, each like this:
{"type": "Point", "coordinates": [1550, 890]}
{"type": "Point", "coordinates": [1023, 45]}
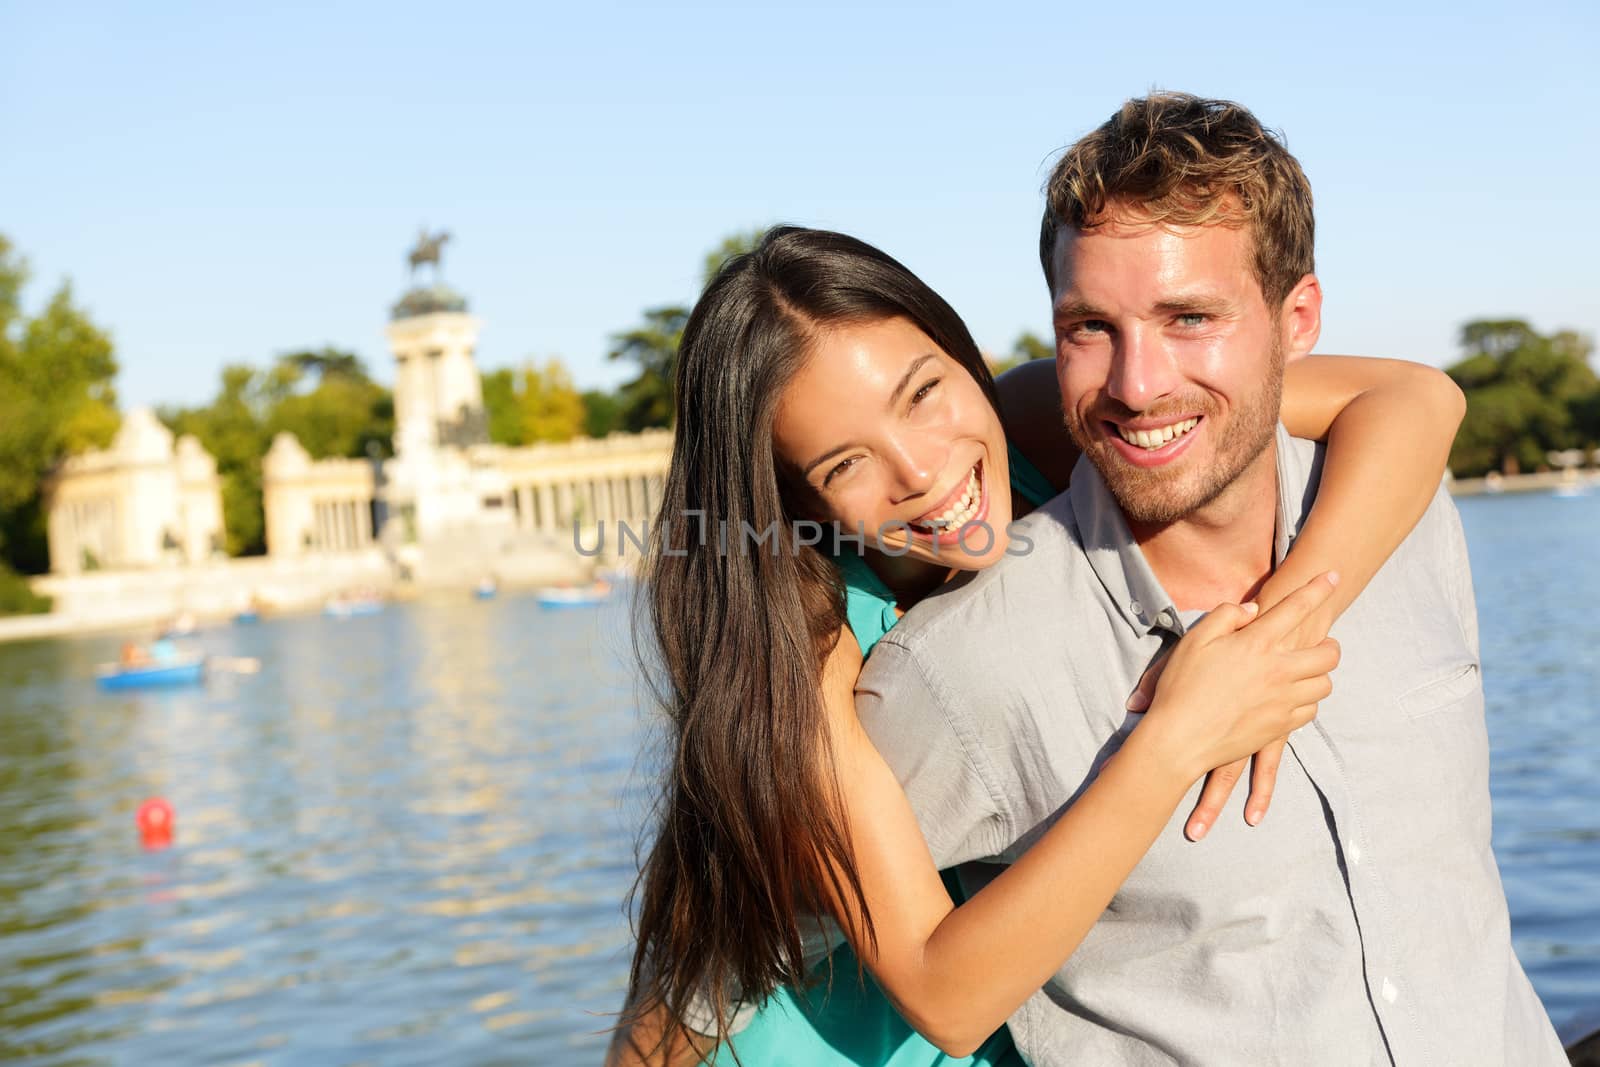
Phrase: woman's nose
{"type": "Point", "coordinates": [915, 465]}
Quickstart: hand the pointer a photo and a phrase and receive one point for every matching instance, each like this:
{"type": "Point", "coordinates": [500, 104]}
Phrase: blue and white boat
{"type": "Point", "coordinates": [182, 670]}
{"type": "Point", "coordinates": [348, 607]}
{"type": "Point", "coordinates": [585, 597]}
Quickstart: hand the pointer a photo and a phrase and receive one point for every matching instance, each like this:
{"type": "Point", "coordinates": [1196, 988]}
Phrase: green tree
{"type": "Point", "coordinates": [500, 407]}
{"type": "Point", "coordinates": [233, 428]}
{"type": "Point", "coordinates": [1527, 394]}
{"type": "Point", "coordinates": [735, 244]}
{"type": "Point", "coordinates": [57, 370]}
{"type": "Point", "coordinates": [552, 409]}
{"type": "Point", "coordinates": [532, 404]}
{"type": "Point", "coordinates": [345, 415]}
{"type": "Point", "coordinates": [602, 413]}
{"type": "Point", "coordinates": [647, 400]}
{"type": "Point", "coordinates": [1027, 346]}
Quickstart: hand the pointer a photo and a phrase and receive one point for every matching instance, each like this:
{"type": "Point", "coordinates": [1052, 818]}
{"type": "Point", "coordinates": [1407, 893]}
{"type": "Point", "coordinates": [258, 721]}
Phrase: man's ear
{"type": "Point", "coordinates": [1302, 318]}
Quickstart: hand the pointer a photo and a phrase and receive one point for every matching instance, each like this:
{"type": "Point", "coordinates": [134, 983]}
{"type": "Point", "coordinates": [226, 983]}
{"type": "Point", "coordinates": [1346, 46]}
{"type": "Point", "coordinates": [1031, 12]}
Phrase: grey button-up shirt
{"type": "Point", "coordinates": [1362, 922]}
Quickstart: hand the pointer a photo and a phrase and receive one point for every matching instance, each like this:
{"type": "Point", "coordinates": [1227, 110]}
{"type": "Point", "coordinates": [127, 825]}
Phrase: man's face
{"type": "Point", "coordinates": [1170, 361]}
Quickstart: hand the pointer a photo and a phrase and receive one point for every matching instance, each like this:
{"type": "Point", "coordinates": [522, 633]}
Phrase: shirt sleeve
{"type": "Point", "coordinates": [935, 754]}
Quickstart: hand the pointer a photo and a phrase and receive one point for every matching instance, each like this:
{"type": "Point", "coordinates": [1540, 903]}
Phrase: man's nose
{"type": "Point", "coordinates": [1142, 369]}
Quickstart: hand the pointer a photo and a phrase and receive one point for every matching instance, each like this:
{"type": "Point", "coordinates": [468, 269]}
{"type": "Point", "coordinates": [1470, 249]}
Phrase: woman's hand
{"type": "Point", "coordinates": [1237, 684]}
{"type": "Point", "coordinates": [1219, 785]}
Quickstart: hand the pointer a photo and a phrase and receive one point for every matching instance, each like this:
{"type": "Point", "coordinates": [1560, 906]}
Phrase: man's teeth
{"type": "Point", "coordinates": [962, 511]}
{"type": "Point", "coordinates": [1153, 439]}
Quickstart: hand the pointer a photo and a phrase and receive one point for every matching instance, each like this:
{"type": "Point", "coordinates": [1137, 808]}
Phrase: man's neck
{"type": "Point", "coordinates": [1223, 551]}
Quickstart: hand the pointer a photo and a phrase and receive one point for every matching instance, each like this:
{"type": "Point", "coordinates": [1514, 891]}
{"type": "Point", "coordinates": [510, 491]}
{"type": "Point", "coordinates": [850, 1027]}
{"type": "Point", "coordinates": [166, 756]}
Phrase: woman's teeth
{"type": "Point", "coordinates": [1153, 439]}
{"type": "Point", "coordinates": [962, 511]}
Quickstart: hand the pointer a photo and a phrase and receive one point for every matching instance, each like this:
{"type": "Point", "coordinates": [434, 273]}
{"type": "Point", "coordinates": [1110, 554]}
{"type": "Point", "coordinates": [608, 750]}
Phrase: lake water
{"type": "Point", "coordinates": [406, 840]}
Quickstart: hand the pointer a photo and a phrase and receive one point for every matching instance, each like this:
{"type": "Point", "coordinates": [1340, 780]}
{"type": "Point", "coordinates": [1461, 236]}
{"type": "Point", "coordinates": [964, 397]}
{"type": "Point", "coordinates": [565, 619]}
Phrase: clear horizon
{"type": "Point", "coordinates": [222, 186]}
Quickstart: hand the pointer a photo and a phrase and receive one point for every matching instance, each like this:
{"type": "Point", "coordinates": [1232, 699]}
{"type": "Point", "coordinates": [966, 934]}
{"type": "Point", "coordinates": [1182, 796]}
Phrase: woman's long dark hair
{"type": "Point", "coordinates": [752, 838]}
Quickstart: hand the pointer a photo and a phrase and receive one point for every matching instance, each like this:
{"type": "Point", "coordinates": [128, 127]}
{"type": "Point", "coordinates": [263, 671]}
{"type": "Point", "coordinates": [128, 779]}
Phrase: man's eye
{"type": "Point", "coordinates": [1089, 326]}
{"type": "Point", "coordinates": [921, 394]}
{"type": "Point", "coordinates": [1193, 318]}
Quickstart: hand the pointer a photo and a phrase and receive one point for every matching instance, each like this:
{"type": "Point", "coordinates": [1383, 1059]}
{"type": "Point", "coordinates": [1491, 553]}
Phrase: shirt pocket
{"type": "Point", "coordinates": [1449, 688]}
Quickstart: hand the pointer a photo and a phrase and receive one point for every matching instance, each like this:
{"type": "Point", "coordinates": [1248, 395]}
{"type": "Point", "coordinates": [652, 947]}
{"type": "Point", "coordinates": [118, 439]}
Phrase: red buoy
{"type": "Point", "coordinates": [155, 819]}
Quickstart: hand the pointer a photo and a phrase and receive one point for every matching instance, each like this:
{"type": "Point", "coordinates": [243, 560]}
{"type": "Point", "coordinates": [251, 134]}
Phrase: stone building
{"type": "Point", "coordinates": [450, 506]}
{"type": "Point", "coordinates": [142, 503]}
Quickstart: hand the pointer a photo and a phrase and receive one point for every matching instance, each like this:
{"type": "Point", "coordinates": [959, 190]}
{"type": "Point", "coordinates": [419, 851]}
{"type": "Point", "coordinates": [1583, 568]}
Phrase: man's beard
{"type": "Point", "coordinates": [1156, 496]}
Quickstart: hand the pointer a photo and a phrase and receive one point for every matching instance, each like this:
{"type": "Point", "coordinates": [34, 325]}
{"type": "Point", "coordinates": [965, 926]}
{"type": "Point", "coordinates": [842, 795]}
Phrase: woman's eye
{"type": "Point", "coordinates": [838, 469]}
{"type": "Point", "coordinates": [927, 387]}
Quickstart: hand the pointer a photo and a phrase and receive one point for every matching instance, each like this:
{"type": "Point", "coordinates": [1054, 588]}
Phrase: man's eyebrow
{"type": "Point", "coordinates": [1077, 309]}
{"type": "Point", "coordinates": [1195, 304]}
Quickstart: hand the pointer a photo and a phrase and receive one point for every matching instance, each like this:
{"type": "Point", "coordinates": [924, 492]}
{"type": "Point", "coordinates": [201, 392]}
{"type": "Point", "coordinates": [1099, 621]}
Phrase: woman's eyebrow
{"type": "Point", "coordinates": [894, 397]}
{"type": "Point", "coordinates": [905, 379]}
{"type": "Point", "coordinates": [814, 464]}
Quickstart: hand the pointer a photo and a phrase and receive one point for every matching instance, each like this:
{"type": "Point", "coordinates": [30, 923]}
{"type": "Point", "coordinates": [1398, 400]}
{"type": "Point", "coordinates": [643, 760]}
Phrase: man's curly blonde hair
{"type": "Point", "coordinates": [1179, 160]}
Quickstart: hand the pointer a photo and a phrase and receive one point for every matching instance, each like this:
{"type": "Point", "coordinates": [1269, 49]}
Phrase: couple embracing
{"type": "Point", "coordinates": [987, 756]}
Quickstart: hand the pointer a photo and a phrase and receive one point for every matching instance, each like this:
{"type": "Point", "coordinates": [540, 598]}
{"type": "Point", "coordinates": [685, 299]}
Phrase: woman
{"type": "Point", "coordinates": [778, 810]}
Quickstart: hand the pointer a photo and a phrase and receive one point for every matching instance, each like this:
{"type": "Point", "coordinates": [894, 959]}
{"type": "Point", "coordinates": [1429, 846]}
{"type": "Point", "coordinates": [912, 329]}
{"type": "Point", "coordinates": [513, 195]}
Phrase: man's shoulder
{"type": "Point", "coordinates": [1044, 564]}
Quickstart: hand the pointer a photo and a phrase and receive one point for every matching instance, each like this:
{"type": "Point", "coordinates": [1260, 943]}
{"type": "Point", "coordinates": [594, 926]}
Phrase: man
{"type": "Point", "coordinates": [1363, 921]}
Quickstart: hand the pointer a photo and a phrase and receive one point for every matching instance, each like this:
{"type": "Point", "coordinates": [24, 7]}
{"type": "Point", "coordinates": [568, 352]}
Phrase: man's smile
{"type": "Point", "coordinates": [1152, 443]}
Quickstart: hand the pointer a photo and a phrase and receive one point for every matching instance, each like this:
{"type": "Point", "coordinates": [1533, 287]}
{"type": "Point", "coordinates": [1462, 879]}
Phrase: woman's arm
{"type": "Point", "coordinates": [956, 974]}
{"type": "Point", "coordinates": [647, 1039]}
{"type": "Point", "coordinates": [1388, 425]}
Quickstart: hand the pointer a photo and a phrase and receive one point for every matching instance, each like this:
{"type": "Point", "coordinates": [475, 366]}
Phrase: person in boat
{"type": "Point", "coordinates": [765, 874]}
{"type": "Point", "coordinates": [1365, 920]}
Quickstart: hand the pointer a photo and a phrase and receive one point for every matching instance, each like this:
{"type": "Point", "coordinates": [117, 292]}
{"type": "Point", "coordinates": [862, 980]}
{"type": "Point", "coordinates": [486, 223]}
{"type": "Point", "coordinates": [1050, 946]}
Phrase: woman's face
{"type": "Point", "coordinates": [891, 435]}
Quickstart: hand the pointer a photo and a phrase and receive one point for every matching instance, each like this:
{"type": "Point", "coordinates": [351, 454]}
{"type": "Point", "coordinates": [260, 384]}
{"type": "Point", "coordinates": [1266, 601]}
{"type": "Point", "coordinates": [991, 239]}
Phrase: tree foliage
{"type": "Point", "coordinates": [1027, 346]}
{"type": "Point", "coordinates": [647, 400]}
{"type": "Point", "coordinates": [532, 404]}
{"type": "Point", "coordinates": [324, 397]}
{"type": "Point", "coordinates": [1527, 394]}
{"type": "Point", "coordinates": [57, 370]}
{"type": "Point", "coordinates": [602, 413]}
{"type": "Point", "coordinates": [344, 415]}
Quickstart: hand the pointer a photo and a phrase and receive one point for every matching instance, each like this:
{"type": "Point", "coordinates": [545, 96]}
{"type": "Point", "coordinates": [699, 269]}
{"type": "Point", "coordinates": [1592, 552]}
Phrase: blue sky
{"type": "Point", "coordinates": [222, 185]}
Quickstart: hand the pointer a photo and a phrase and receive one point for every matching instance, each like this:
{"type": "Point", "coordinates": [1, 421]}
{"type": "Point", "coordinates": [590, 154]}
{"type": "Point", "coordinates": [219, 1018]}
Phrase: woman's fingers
{"type": "Point", "coordinates": [1285, 616]}
{"type": "Point", "coordinates": [1222, 620]}
{"type": "Point", "coordinates": [1320, 658]}
{"type": "Point", "coordinates": [1263, 779]}
{"type": "Point", "coordinates": [1312, 690]}
{"type": "Point", "coordinates": [1219, 786]}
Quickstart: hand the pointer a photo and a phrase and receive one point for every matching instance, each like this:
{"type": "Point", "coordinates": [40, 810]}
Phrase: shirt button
{"type": "Point", "coordinates": [1137, 608]}
{"type": "Point", "coordinates": [1390, 993]}
{"type": "Point", "coordinates": [1353, 850]}
{"type": "Point", "coordinates": [1165, 618]}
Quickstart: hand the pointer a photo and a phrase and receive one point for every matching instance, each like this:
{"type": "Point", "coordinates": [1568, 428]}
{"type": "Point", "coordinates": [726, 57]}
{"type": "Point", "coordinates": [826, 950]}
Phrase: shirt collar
{"type": "Point", "coordinates": [1136, 593]}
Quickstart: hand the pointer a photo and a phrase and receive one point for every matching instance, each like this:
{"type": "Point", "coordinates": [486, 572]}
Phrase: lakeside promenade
{"type": "Point", "coordinates": [217, 590]}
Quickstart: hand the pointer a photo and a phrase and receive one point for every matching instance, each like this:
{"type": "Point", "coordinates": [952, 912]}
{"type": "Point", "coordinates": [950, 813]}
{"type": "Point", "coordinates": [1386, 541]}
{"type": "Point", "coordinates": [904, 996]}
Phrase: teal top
{"type": "Point", "coordinates": [843, 1022]}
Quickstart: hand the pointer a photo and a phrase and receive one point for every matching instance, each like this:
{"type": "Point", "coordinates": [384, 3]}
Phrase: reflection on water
{"type": "Point", "coordinates": [407, 839]}
{"type": "Point", "coordinates": [401, 843]}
